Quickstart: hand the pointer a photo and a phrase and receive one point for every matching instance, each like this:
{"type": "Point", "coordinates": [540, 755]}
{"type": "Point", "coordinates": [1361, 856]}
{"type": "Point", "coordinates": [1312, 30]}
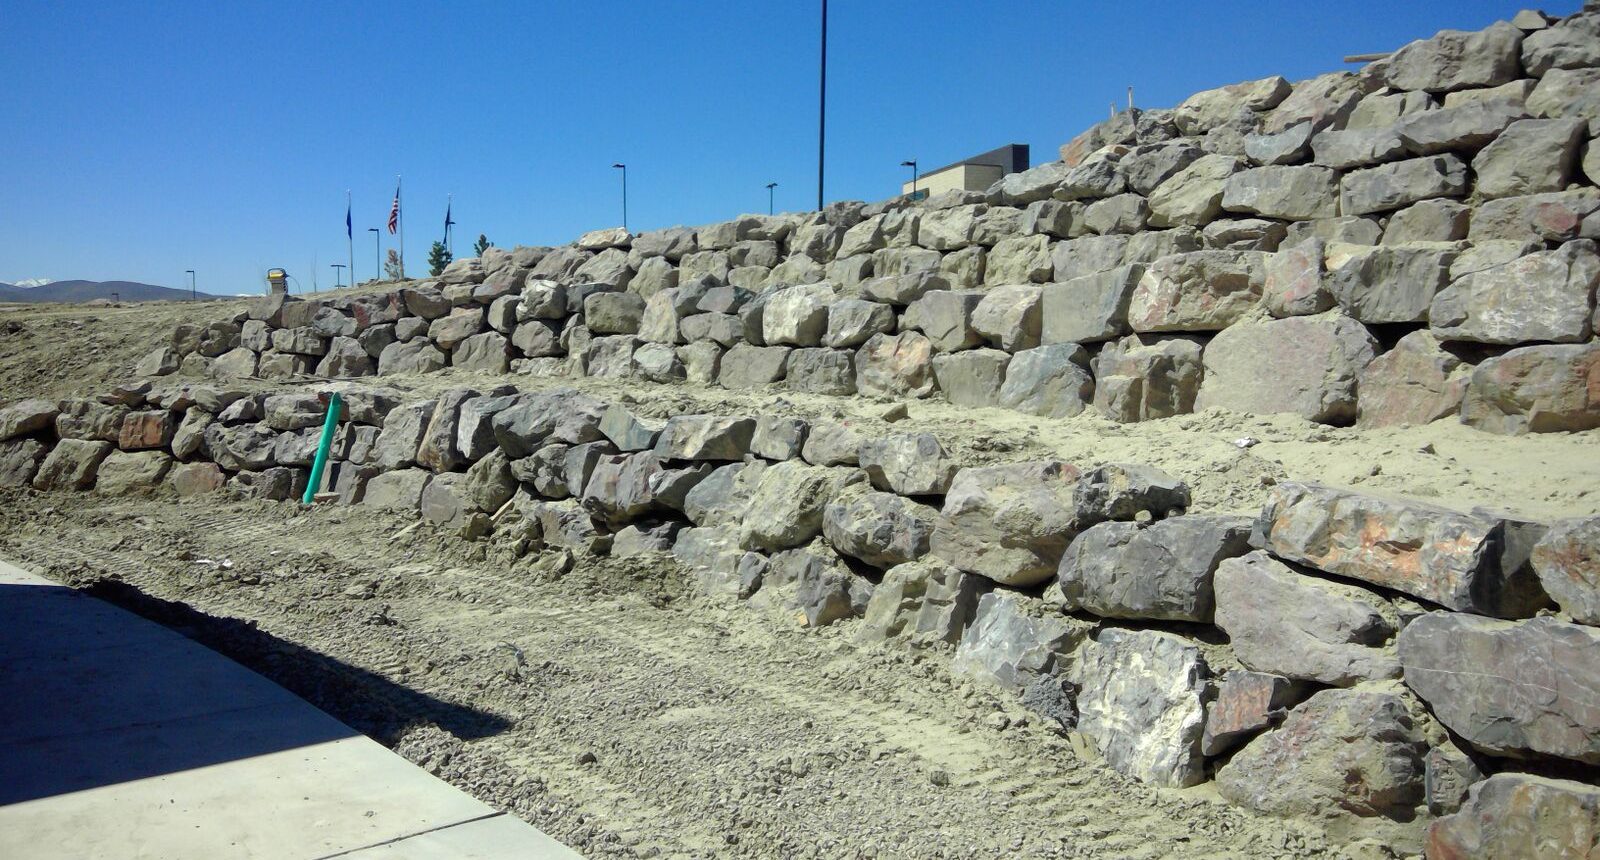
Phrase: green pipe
{"type": "Point", "coordinates": [323, 446]}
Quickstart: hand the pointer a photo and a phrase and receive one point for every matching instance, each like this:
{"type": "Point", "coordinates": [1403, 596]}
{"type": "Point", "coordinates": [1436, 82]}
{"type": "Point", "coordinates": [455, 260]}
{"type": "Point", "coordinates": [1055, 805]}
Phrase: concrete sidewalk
{"type": "Point", "coordinates": [122, 739]}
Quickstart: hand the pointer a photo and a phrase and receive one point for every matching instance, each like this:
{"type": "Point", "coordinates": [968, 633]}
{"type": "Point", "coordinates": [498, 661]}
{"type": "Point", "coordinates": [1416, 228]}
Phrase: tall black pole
{"type": "Point", "coordinates": [770, 192]}
{"type": "Point", "coordinates": [192, 294]}
{"type": "Point", "coordinates": [377, 253]}
{"type": "Point", "coordinates": [624, 168]}
{"type": "Point", "coordinates": [822, 105]}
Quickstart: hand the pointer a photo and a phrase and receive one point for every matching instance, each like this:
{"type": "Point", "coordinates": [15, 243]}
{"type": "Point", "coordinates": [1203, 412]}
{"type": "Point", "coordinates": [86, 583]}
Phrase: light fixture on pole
{"type": "Point", "coordinates": [624, 168]}
{"type": "Point", "coordinates": [770, 186]}
{"type": "Point", "coordinates": [190, 273]}
{"type": "Point", "coordinates": [336, 274]}
{"type": "Point", "coordinates": [913, 165]}
{"type": "Point", "coordinates": [377, 252]}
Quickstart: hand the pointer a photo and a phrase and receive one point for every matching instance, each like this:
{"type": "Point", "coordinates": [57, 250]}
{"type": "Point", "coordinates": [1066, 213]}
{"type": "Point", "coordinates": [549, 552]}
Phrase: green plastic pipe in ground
{"type": "Point", "coordinates": [324, 445]}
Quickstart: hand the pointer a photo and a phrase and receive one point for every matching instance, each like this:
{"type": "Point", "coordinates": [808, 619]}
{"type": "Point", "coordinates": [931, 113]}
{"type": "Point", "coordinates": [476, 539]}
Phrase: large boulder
{"type": "Point", "coordinates": [71, 465]}
{"type": "Point", "coordinates": [1473, 562]}
{"type": "Point", "coordinates": [1088, 308]}
{"type": "Point", "coordinates": [1352, 751]}
{"type": "Point", "coordinates": [797, 315]}
{"type": "Point", "coordinates": [1288, 623]}
{"type": "Point", "coordinates": [1162, 571]}
{"type": "Point", "coordinates": [1049, 381]}
{"type": "Point", "coordinates": [1193, 196]}
{"type": "Point", "coordinates": [401, 435]}
{"type": "Point", "coordinates": [1545, 296]}
{"type": "Point", "coordinates": [1014, 640]}
{"type": "Point", "coordinates": [1142, 378]}
{"type": "Point", "coordinates": [1567, 560]}
{"type": "Point", "coordinates": [722, 498]}
{"type": "Point", "coordinates": [1008, 317]}
{"type": "Point", "coordinates": [911, 464]}
{"type": "Point", "coordinates": [132, 471]}
{"type": "Point", "coordinates": [1511, 816]}
{"type": "Point", "coordinates": [1556, 216]}
{"type": "Point", "coordinates": [1402, 183]}
{"type": "Point", "coordinates": [896, 366]}
{"type": "Point", "coordinates": [1246, 703]}
{"type": "Point", "coordinates": [1386, 283]}
{"type": "Point", "coordinates": [1536, 389]}
{"type": "Point", "coordinates": [921, 603]}
{"type": "Point", "coordinates": [1530, 157]}
{"type": "Point", "coordinates": [1509, 688]}
{"type": "Point", "coordinates": [1141, 701]}
{"type": "Point", "coordinates": [1304, 365]}
{"type": "Point", "coordinates": [705, 437]}
{"type": "Point", "coordinates": [1456, 60]}
{"type": "Point", "coordinates": [1289, 193]}
{"type": "Point", "coordinates": [1197, 291]}
{"type": "Point", "coordinates": [27, 416]}
{"type": "Point", "coordinates": [881, 529]}
{"type": "Point", "coordinates": [438, 449]}
{"type": "Point", "coordinates": [813, 586]}
{"type": "Point", "coordinates": [19, 461]}
{"type": "Point", "coordinates": [786, 509]}
{"type": "Point", "coordinates": [1415, 383]}
{"type": "Point", "coordinates": [972, 377]}
{"type": "Point", "coordinates": [747, 366]}
{"type": "Point", "coordinates": [1009, 523]}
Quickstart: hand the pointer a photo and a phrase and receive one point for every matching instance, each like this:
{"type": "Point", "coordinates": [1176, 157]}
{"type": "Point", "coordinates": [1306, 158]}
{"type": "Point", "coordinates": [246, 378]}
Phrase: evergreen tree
{"type": "Point", "coordinates": [438, 257]}
{"type": "Point", "coordinates": [482, 244]}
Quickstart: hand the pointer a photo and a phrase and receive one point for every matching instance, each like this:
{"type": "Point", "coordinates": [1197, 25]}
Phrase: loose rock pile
{"type": "Point", "coordinates": [1407, 242]}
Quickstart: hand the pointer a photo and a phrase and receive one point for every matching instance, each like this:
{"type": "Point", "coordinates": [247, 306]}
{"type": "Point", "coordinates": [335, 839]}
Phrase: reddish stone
{"type": "Point", "coordinates": [192, 479]}
{"type": "Point", "coordinates": [144, 430]}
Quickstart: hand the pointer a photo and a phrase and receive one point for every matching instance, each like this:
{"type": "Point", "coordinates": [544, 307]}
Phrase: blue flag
{"type": "Point", "coordinates": [348, 231]}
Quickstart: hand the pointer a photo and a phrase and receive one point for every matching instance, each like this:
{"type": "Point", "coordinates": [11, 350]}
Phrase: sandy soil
{"type": "Point", "coordinates": [611, 710]}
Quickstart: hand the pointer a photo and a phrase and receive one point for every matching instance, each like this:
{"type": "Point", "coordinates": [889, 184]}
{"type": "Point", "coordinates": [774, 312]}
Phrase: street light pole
{"type": "Point", "coordinates": [192, 294]}
{"type": "Point", "coordinates": [822, 104]}
{"type": "Point", "coordinates": [913, 165]}
{"type": "Point", "coordinates": [377, 253]}
{"type": "Point", "coordinates": [624, 168]}
{"type": "Point", "coordinates": [336, 274]}
{"type": "Point", "coordinates": [770, 186]}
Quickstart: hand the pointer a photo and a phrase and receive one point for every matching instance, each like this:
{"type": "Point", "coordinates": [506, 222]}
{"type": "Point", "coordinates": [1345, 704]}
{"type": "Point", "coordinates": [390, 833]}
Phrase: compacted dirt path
{"type": "Point", "coordinates": [597, 700]}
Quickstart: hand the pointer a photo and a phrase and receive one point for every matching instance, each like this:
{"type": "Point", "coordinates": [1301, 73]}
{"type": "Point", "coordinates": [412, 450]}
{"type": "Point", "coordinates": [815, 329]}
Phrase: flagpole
{"type": "Point", "coordinates": [449, 238]}
{"type": "Point", "coordinates": [350, 236]}
{"type": "Point", "coordinates": [400, 217]}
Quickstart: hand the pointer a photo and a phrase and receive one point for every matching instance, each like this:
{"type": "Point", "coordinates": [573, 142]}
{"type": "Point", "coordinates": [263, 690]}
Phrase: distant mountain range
{"type": "Point", "coordinates": [88, 291]}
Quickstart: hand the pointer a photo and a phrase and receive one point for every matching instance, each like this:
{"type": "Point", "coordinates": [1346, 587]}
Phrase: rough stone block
{"type": "Point", "coordinates": [1159, 572]}
{"type": "Point", "coordinates": [1304, 365]}
{"type": "Point", "coordinates": [1535, 389]}
{"type": "Point", "coordinates": [1141, 701]}
{"type": "Point", "coordinates": [1049, 381]}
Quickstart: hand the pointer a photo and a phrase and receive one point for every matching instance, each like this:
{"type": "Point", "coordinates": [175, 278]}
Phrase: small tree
{"type": "Point", "coordinates": [483, 244]}
{"type": "Point", "coordinates": [393, 268]}
{"type": "Point", "coordinates": [438, 257]}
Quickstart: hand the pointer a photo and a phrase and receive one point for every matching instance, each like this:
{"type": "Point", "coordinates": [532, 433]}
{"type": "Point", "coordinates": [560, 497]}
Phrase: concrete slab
{"type": "Point", "coordinates": [151, 745]}
{"type": "Point", "coordinates": [499, 838]}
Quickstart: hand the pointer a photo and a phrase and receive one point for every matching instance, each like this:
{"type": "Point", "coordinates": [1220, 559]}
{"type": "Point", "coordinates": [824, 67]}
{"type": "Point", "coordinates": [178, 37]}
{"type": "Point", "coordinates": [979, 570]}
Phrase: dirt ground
{"type": "Point", "coordinates": [599, 701]}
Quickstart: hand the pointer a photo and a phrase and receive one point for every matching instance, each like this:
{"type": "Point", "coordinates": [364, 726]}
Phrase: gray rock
{"type": "Point", "coordinates": [1466, 562]}
{"type": "Point", "coordinates": [1448, 774]}
{"type": "Point", "coordinates": [896, 366]}
{"type": "Point", "coordinates": [724, 496]}
{"type": "Point", "coordinates": [1141, 378]}
{"type": "Point", "coordinates": [1089, 255]}
{"type": "Point", "coordinates": [123, 472]}
{"type": "Point", "coordinates": [1208, 109]}
{"type": "Point", "coordinates": [71, 465]}
{"type": "Point", "coordinates": [1009, 523]}
{"type": "Point", "coordinates": [1141, 701]}
{"type": "Point", "coordinates": [705, 437]}
{"type": "Point", "coordinates": [851, 322]}
{"type": "Point", "coordinates": [240, 448]}
{"type": "Point", "coordinates": [1352, 230]}
{"type": "Point", "coordinates": [1554, 217]}
{"type": "Point", "coordinates": [19, 461]}
{"type": "Point", "coordinates": [832, 444]}
{"type": "Point", "coordinates": [1019, 260]}
{"type": "Point", "coordinates": [1429, 221]}
{"type": "Point", "coordinates": [400, 489]}
{"type": "Point", "coordinates": [1123, 491]}
{"type": "Point", "coordinates": [1299, 626]}
{"type": "Point", "coordinates": [1508, 688]}
{"type": "Point", "coordinates": [645, 538]}
{"type": "Point", "coordinates": [488, 484]}
{"type": "Point", "coordinates": [903, 289]}
{"type": "Point", "coordinates": [1567, 560]}
{"type": "Point", "coordinates": [1386, 283]}
{"type": "Point", "coordinates": [438, 449]}
{"type": "Point", "coordinates": [921, 603]}
{"type": "Point", "coordinates": [407, 357]}
{"type": "Point", "coordinates": [1304, 365]}
{"type": "Point", "coordinates": [797, 315]}
{"type": "Point", "coordinates": [1290, 193]}
{"type": "Point", "coordinates": [1089, 308]}
{"type": "Point", "coordinates": [1123, 213]}
{"type": "Point", "coordinates": [402, 434]}
{"type": "Point", "coordinates": [1049, 381]}
{"type": "Point", "coordinates": [971, 377]}
{"type": "Point", "coordinates": [1014, 640]}
{"type": "Point", "coordinates": [1342, 751]}
{"type": "Point", "coordinates": [1568, 93]}
{"type": "Point", "coordinates": [911, 464]}
{"type": "Point", "coordinates": [821, 371]}
{"type": "Point", "coordinates": [1465, 128]}
{"type": "Point", "coordinates": [78, 419]}
{"type": "Point", "coordinates": [627, 431]}
{"type": "Point", "coordinates": [777, 438]}
{"type": "Point", "coordinates": [1006, 316]}
{"type": "Point", "coordinates": [881, 529]}
{"type": "Point", "coordinates": [1512, 815]}
{"type": "Point", "coordinates": [746, 366]}
{"type": "Point", "coordinates": [489, 352]}
{"type": "Point", "coordinates": [1417, 382]}
{"type": "Point", "coordinates": [1294, 281]}
{"type": "Point", "coordinates": [448, 331]}
{"type": "Point", "coordinates": [1402, 183]}
{"type": "Point", "coordinates": [701, 362]}
{"type": "Point", "coordinates": [1325, 100]}
{"type": "Point", "coordinates": [1197, 291]}
{"type": "Point", "coordinates": [1573, 43]}
{"type": "Point", "coordinates": [1193, 195]}
{"type": "Point", "coordinates": [724, 329]}
{"type": "Point", "coordinates": [1530, 157]}
{"type": "Point", "coordinates": [813, 586]}
{"type": "Point", "coordinates": [1545, 296]}
{"type": "Point", "coordinates": [618, 488]}
{"type": "Point", "coordinates": [1343, 149]}
{"type": "Point", "coordinates": [1161, 572]}
{"type": "Point", "coordinates": [1285, 147]}
{"type": "Point", "coordinates": [1454, 60]}
{"type": "Point", "coordinates": [566, 524]}
{"type": "Point", "coordinates": [1247, 702]}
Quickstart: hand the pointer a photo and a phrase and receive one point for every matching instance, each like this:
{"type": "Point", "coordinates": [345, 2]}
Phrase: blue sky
{"type": "Point", "coordinates": [142, 139]}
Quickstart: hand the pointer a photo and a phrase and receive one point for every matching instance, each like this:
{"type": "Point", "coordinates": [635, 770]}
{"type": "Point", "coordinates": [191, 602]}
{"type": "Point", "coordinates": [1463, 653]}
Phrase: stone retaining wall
{"type": "Point", "coordinates": [1408, 242]}
{"type": "Point", "coordinates": [1338, 654]}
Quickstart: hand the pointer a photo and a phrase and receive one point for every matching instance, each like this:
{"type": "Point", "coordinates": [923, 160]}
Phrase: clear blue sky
{"type": "Point", "coordinates": [140, 140]}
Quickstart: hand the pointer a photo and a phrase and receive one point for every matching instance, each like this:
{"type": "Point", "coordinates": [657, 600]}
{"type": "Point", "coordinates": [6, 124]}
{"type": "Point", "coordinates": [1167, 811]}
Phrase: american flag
{"type": "Point", "coordinates": [394, 212]}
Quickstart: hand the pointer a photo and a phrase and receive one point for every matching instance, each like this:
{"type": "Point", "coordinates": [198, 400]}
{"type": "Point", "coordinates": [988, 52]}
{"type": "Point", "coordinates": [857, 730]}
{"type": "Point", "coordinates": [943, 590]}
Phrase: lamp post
{"type": "Point", "coordinates": [770, 186]}
{"type": "Point", "coordinates": [913, 165]}
{"type": "Point", "coordinates": [192, 294]}
{"type": "Point", "coordinates": [377, 253]}
{"type": "Point", "coordinates": [624, 168]}
{"type": "Point", "coordinates": [336, 274]}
